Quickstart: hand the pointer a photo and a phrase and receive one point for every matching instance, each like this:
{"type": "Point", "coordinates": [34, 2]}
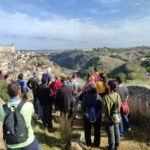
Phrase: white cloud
{"type": "Point", "coordinates": [58, 32]}
{"type": "Point", "coordinates": [94, 11]}
{"type": "Point", "coordinates": [107, 1]}
{"type": "Point", "coordinates": [114, 11]}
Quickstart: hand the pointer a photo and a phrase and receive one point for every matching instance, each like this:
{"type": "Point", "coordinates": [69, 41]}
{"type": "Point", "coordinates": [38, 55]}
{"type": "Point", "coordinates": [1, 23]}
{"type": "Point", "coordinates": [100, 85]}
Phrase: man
{"type": "Point", "coordinates": [64, 99]}
{"type": "Point", "coordinates": [27, 110]}
{"type": "Point", "coordinates": [2, 74]}
{"type": "Point", "coordinates": [32, 84]}
{"type": "Point", "coordinates": [124, 94]}
{"type": "Point", "coordinates": [48, 74]}
{"type": "Point", "coordinates": [45, 96]}
{"type": "Point", "coordinates": [111, 109]}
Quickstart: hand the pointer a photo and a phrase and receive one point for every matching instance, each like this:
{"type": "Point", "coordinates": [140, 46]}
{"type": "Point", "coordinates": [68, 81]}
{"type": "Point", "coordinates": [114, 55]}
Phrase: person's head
{"type": "Point", "coordinates": [6, 77]}
{"type": "Point", "coordinates": [74, 76]}
{"type": "Point", "coordinates": [14, 89]}
{"type": "Point", "coordinates": [91, 89]}
{"type": "Point", "coordinates": [2, 73]}
{"type": "Point", "coordinates": [118, 80]}
{"type": "Point", "coordinates": [103, 77]}
{"type": "Point", "coordinates": [34, 74]}
{"type": "Point", "coordinates": [95, 69]}
{"type": "Point", "coordinates": [57, 78]}
{"type": "Point", "coordinates": [111, 86]}
{"type": "Point", "coordinates": [49, 70]}
{"type": "Point", "coordinates": [20, 76]}
{"type": "Point", "coordinates": [69, 78]}
{"type": "Point", "coordinates": [63, 80]}
{"type": "Point", "coordinates": [44, 80]}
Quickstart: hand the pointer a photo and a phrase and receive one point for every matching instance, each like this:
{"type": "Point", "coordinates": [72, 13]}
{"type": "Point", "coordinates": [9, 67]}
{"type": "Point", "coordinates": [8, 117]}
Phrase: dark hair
{"type": "Point", "coordinates": [95, 69]}
{"type": "Point", "coordinates": [6, 76]}
{"type": "Point", "coordinates": [91, 89]}
{"type": "Point", "coordinates": [104, 77]}
{"type": "Point", "coordinates": [63, 79]}
{"type": "Point", "coordinates": [13, 89]}
{"type": "Point", "coordinates": [112, 85]}
{"type": "Point", "coordinates": [0, 72]}
{"type": "Point", "coordinates": [20, 76]}
{"type": "Point", "coordinates": [74, 76]}
{"type": "Point", "coordinates": [44, 79]}
{"type": "Point", "coordinates": [118, 79]}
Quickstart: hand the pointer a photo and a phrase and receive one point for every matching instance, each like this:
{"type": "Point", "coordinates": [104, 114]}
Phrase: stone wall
{"type": "Point", "coordinates": [7, 48]}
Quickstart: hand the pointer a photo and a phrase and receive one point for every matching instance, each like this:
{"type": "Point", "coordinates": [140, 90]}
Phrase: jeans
{"type": "Point", "coordinates": [33, 146]}
{"type": "Point", "coordinates": [76, 107]}
{"type": "Point", "coordinates": [39, 108]}
{"type": "Point", "coordinates": [87, 131]}
{"type": "Point", "coordinates": [126, 123]}
{"type": "Point", "coordinates": [113, 136]}
{"type": "Point", "coordinates": [47, 116]}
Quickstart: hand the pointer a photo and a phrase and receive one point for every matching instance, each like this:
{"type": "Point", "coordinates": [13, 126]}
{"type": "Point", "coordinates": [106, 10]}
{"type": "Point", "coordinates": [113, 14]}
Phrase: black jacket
{"type": "Point", "coordinates": [91, 99]}
{"type": "Point", "coordinates": [64, 99]}
{"type": "Point", "coordinates": [44, 95]}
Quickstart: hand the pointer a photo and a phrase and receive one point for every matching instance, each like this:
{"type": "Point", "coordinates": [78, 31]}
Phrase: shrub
{"type": "Point", "coordinates": [65, 130]}
{"type": "Point", "coordinates": [3, 91]}
{"type": "Point", "coordinates": [122, 76]}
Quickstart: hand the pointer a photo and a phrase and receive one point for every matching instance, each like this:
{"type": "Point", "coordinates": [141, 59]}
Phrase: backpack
{"type": "Point", "coordinates": [14, 126]}
{"type": "Point", "coordinates": [115, 117]}
{"type": "Point", "coordinates": [34, 82]}
{"type": "Point", "coordinates": [93, 113]}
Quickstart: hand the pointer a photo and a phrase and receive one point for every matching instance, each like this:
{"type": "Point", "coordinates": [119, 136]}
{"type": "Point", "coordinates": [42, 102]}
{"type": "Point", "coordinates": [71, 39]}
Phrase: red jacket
{"type": "Point", "coordinates": [55, 86]}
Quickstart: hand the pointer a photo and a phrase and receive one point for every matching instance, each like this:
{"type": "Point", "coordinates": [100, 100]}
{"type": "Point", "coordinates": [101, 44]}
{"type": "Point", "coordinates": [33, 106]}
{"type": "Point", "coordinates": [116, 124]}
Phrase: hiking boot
{"type": "Point", "coordinates": [122, 138]}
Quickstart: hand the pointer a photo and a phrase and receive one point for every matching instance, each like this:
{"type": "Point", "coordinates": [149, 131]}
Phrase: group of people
{"type": "Point", "coordinates": [104, 103]}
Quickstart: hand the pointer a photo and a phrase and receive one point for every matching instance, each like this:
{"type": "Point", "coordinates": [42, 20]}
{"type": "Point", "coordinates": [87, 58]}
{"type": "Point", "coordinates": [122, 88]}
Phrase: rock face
{"type": "Point", "coordinates": [139, 102]}
{"type": "Point", "coordinates": [2, 145]}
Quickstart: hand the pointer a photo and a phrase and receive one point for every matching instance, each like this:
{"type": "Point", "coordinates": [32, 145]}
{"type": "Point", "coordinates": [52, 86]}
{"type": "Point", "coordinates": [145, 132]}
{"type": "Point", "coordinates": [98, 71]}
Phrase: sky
{"type": "Point", "coordinates": [69, 24]}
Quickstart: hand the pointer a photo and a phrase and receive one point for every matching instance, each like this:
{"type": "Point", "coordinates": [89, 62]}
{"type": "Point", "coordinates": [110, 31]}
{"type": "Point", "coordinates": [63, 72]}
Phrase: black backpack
{"type": "Point", "coordinates": [14, 126]}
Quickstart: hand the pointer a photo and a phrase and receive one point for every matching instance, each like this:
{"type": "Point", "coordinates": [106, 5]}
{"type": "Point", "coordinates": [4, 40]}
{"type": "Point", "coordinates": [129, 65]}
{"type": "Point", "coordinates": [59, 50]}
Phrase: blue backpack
{"type": "Point", "coordinates": [93, 113]}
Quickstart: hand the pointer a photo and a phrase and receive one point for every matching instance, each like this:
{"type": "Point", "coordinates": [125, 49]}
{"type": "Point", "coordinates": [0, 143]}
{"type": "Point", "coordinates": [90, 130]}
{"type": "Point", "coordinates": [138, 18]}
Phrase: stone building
{"type": "Point", "coordinates": [7, 48]}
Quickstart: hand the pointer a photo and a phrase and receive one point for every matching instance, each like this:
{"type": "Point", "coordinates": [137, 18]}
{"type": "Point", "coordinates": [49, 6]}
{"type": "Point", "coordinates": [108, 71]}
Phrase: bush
{"type": "Point", "coordinates": [122, 76]}
{"type": "Point", "coordinates": [3, 91]}
{"type": "Point", "coordinates": [65, 130]}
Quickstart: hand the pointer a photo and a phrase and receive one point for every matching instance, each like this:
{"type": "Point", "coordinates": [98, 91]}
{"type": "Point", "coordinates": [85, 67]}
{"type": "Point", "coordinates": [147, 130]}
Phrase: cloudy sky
{"type": "Point", "coordinates": [61, 24]}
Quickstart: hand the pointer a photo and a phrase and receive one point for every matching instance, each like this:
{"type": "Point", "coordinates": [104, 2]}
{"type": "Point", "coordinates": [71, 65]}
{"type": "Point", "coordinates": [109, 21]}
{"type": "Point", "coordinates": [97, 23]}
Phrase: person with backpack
{"type": "Point", "coordinates": [111, 116]}
{"type": "Point", "coordinates": [32, 84]}
{"type": "Point", "coordinates": [124, 94]}
{"type": "Point", "coordinates": [92, 109]}
{"type": "Point", "coordinates": [16, 117]}
{"type": "Point", "coordinates": [24, 88]}
{"type": "Point", "coordinates": [96, 75]}
{"type": "Point", "coordinates": [45, 96]}
{"type": "Point", "coordinates": [101, 85]}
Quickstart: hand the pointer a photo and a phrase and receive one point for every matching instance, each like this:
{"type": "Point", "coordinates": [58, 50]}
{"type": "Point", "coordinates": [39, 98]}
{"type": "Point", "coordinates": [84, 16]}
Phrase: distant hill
{"type": "Point", "coordinates": [110, 61]}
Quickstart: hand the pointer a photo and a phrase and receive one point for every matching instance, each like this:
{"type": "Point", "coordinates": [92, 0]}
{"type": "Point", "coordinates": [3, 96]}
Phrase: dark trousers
{"type": "Point", "coordinates": [113, 136]}
{"type": "Point", "coordinates": [47, 116]}
{"type": "Point", "coordinates": [33, 146]}
{"type": "Point", "coordinates": [87, 132]}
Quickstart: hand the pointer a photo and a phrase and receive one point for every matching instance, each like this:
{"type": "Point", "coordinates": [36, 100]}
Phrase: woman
{"type": "Point", "coordinates": [92, 101]}
{"type": "Point", "coordinates": [112, 101]}
{"type": "Point", "coordinates": [90, 80]}
{"type": "Point", "coordinates": [101, 85]}
{"type": "Point", "coordinates": [23, 85]}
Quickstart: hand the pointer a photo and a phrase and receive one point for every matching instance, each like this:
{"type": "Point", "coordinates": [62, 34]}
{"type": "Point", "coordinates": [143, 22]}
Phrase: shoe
{"type": "Point", "coordinates": [129, 129]}
{"type": "Point", "coordinates": [122, 138]}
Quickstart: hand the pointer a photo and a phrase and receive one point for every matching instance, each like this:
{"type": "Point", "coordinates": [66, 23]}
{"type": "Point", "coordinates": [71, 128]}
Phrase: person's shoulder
{"type": "Point", "coordinates": [28, 104]}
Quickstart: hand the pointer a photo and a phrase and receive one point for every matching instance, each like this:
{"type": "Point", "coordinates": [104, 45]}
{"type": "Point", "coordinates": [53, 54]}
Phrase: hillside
{"type": "Point", "coordinates": [110, 61]}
